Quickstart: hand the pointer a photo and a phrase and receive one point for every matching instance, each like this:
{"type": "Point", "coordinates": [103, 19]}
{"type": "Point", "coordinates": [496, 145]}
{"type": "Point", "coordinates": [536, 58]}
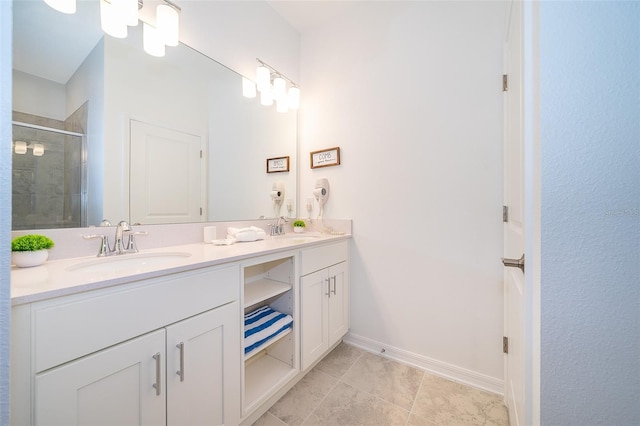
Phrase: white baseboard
{"type": "Point", "coordinates": [439, 368]}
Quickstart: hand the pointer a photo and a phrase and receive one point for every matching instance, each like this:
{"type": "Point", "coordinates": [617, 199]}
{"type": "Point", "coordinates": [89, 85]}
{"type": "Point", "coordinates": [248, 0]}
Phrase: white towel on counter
{"type": "Point", "coordinates": [251, 233]}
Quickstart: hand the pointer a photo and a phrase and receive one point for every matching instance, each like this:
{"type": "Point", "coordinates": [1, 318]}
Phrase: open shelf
{"type": "Point", "coordinates": [262, 375]}
{"type": "Point", "coordinates": [266, 344]}
{"type": "Point", "coordinates": [263, 289]}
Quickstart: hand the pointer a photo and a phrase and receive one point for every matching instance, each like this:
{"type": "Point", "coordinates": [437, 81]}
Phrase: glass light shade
{"type": "Point", "coordinates": [294, 98]}
{"type": "Point", "coordinates": [248, 88]}
{"type": "Point", "coordinates": [279, 89]}
{"type": "Point", "coordinates": [20, 147]}
{"type": "Point", "coordinates": [282, 105]}
{"type": "Point", "coordinates": [112, 18]}
{"type": "Point", "coordinates": [151, 41]}
{"type": "Point", "coordinates": [131, 12]}
{"type": "Point", "coordinates": [266, 96]}
{"type": "Point", "coordinates": [168, 24]}
{"type": "Point", "coordinates": [38, 149]}
{"type": "Point", "coordinates": [263, 78]}
{"type": "Point", "coordinates": [64, 6]}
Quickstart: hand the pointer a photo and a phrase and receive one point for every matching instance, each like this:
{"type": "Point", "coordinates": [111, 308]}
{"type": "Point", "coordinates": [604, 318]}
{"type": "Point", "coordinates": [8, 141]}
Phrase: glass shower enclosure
{"type": "Point", "coordinates": [49, 188]}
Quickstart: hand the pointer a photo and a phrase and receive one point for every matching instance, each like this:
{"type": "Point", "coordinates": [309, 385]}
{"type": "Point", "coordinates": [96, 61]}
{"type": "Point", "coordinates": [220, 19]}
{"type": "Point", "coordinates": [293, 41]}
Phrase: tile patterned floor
{"type": "Point", "coordinates": [354, 387]}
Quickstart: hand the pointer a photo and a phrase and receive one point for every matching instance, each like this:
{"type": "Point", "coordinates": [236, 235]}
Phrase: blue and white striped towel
{"type": "Point", "coordinates": [262, 325]}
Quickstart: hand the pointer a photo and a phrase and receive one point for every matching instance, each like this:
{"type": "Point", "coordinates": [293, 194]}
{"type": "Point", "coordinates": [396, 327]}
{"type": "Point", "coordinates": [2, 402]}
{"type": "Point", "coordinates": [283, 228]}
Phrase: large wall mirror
{"type": "Point", "coordinates": [103, 130]}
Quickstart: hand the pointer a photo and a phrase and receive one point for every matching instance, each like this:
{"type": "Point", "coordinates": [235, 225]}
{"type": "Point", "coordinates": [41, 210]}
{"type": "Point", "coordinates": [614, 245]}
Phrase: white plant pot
{"type": "Point", "coordinates": [298, 229]}
{"type": "Point", "coordinates": [27, 259]}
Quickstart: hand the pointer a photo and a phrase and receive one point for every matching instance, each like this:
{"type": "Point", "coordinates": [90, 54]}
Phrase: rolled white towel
{"type": "Point", "coordinates": [251, 233]}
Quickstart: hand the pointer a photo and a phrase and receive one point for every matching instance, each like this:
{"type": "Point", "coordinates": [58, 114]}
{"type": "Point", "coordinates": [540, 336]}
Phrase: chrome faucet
{"type": "Point", "coordinates": [278, 228]}
{"type": "Point", "coordinates": [119, 245]}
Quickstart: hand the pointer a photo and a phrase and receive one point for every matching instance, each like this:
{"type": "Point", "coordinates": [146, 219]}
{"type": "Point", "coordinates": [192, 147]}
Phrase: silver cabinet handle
{"type": "Point", "coordinates": [514, 263]}
{"type": "Point", "coordinates": [328, 293]}
{"type": "Point", "coordinates": [334, 284]}
{"type": "Point", "coordinates": [180, 372]}
{"type": "Point", "coordinates": [157, 385]}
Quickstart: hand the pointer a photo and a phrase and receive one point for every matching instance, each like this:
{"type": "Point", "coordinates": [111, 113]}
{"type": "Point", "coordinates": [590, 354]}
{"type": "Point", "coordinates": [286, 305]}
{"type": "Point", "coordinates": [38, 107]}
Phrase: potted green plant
{"type": "Point", "coordinates": [30, 250]}
{"type": "Point", "coordinates": [299, 225]}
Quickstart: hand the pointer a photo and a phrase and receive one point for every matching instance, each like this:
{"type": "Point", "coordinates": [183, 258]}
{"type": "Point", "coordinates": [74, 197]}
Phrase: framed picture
{"type": "Point", "coordinates": [325, 158]}
{"type": "Point", "coordinates": [278, 164]}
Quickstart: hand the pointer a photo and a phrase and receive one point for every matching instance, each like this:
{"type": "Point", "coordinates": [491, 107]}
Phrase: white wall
{"type": "Point", "coordinates": [590, 285]}
{"type": "Point", "coordinates": [38, 96]}
{"type": "Point", "coordinates": [235, 33]}
{"type": "Point", "coordinates": [410, 92]}
{"type": "Point", "coordinates": [5, 204]}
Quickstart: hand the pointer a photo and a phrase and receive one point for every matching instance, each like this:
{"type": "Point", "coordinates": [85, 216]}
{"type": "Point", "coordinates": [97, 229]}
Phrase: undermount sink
{"type": "Point", "coordinates": [128, 262]}
{"type": "Point", "coordinates": [300, 237]}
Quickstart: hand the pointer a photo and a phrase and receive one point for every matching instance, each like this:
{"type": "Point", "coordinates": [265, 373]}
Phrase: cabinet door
{"type": "Point", "coordinates": [112, 387]}
{"type": "Point", "coordinates": [314, 291]}
{"type": "Point", "coordinates": [338, 302]}
{"type": "Point", "coordinates": [203, 369]}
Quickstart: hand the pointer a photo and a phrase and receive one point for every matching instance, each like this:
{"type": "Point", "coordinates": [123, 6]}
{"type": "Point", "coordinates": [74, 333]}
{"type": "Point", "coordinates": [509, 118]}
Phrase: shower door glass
{"type": "Point", "coordinates": [49, 178]}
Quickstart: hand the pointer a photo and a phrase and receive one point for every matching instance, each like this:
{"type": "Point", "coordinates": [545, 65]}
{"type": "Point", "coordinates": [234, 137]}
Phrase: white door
{"type": "Point", "coordinates": [165, 176]}
{"type": "Point", "coordinates": [514, 226]}
{"type": "Point", "coordinates": [203, 369]}
{"type": "Point", "coordinates": [111, 387]}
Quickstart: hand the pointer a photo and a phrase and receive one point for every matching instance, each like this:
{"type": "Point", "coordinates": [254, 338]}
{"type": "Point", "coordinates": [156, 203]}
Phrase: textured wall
{"type": "Point", "coordinates": [590, 289]}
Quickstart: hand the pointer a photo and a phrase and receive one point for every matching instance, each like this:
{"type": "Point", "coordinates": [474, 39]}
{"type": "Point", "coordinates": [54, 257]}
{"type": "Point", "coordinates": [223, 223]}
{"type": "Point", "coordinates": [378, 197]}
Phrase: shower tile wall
{"type": "Point", "coordinates": [47, 189]}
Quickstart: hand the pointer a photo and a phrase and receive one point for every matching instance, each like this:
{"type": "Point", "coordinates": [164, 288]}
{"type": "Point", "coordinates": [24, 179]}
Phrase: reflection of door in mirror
{"type": "Point", "coordinates": [165, 175]}
{"type": "Point", "coordinates": [49, 177]}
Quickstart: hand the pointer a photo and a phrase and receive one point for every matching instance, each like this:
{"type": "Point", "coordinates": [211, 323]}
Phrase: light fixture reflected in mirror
{"type": "Point", "coordinates": [152, 41]}
{"type": "Point", "coordinates": [38, 149]}
{"type": "Point", "coordinates": [248, 88]}
{"type": "Point", "coordinates": [64, 6]}
{"type": "Point", "coordinates": [20, 147]}
{"type": "Point", "coordinates": [285, 100]}
{"type": "Point", "coordinates": [130, 10]}
{"type": "Point", "coordinates": [112, 18]}
{"type": "Point", "coordinates": [168, 23]}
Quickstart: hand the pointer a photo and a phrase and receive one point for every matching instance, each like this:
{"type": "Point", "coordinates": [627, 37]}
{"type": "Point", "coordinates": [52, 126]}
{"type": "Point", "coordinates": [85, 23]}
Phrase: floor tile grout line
{"type": "Point", "coordinates": [415, 398]}
{"type": "Point", "coordinates": [331, 390]}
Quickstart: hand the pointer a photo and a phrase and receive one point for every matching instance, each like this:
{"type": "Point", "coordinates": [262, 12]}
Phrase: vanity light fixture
{"type": "Point", "coordinates": [64, 6]}
{"type": "Point", "coordinates": [130, 10]}
{"type": "Point", "coordinates": [168, 23]}
{"type": "Point", "coordinates": [113, 18]}
{"type": "Point", "coordinates": [152, 41]}
{"type": "Point", "coordinates": [265, 75]}
{"type": "Point", "coordinates": [20, 147]}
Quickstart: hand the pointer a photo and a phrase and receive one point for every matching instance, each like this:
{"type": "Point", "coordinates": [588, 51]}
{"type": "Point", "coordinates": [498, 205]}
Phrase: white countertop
{"type": "Point", "coordinates": [54, 279]}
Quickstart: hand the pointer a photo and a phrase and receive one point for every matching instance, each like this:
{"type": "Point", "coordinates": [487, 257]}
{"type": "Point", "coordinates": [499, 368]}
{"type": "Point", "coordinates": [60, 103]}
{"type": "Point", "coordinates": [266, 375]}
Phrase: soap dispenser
{"type": "Point", "coordinates": [321, 193]}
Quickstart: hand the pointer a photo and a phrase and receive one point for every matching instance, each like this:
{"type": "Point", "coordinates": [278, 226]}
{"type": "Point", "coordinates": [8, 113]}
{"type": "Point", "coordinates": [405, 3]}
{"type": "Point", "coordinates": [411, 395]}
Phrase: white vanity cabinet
{"type": "Point", "coordinates": [164, 351]}
{"type": "Point", "coordinates": [324, 300]}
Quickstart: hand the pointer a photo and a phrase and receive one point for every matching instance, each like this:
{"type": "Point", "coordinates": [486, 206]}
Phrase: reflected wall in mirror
{"type": "Point", "coordinates": [167, 139]}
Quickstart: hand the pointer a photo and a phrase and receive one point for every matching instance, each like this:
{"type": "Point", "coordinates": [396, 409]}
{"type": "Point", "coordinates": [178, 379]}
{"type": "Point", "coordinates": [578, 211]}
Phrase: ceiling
{"type": "Point", "coordinates": [306, 15]}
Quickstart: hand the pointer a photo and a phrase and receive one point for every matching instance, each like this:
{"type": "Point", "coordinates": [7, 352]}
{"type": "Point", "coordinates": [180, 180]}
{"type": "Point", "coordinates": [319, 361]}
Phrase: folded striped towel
{"type": "Point", "coordinates": [262, 325]}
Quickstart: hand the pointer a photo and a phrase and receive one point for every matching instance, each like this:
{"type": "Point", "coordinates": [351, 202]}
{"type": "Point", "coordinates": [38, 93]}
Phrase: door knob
{"type": "Point", "coordinates": [514, 263]}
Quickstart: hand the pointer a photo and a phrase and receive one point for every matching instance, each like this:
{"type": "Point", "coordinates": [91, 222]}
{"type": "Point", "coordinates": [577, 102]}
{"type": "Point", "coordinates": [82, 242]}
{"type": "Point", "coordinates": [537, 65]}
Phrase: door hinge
{"type": "Point", "coordinates": [505, 82]}
{"type": "Point", "coordinates": [505, 213]}
{"type": "Point", "coordinates": [505, 344]}
{"type": "Point", "coordinates": [200, 153]}
{"type": "Point", "coordinates": [200, 211]}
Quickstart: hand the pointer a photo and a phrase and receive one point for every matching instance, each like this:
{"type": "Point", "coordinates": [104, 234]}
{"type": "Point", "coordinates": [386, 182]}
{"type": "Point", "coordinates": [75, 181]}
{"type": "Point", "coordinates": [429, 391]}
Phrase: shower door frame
{"type": "Point", "coordinates": [83, 163]}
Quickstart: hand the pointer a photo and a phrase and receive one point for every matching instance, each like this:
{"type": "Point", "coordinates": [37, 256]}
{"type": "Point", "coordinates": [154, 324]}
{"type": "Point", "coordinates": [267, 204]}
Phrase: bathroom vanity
{"type": "Point", "coordinates": [161, 342]}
